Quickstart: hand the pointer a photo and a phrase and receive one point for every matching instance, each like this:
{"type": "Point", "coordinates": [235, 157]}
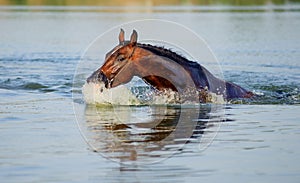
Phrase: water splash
{"type": "Point", "coordinates": [96, 93]}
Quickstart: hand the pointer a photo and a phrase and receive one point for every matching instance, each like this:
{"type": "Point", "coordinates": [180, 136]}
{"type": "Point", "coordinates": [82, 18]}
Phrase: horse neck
{"type": "Point", "coordinates": [150, 64]}
{"type": "Point", "coordinates": [178, 70]}
{"type": "Point", "coordinates": [182, 73]}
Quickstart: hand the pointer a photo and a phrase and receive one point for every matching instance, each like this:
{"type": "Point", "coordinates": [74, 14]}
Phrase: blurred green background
{"type": "Point", "coordinates": [143, 2]}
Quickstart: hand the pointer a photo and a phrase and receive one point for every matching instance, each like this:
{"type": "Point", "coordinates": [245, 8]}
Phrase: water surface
{"type": "Point", "coordinates": [256, 142]}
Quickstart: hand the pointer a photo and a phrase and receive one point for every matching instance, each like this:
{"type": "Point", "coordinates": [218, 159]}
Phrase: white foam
{"type": "Point", "coordinates": [215, 99]}
{"type": "Point", "coordinates": [96, 93]}
{"type": "Point", "coordinates": [258, 93]}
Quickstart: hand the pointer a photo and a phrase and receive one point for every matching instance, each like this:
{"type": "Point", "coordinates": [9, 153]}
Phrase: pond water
{"type": "Point", "coordinates": [257, 141]}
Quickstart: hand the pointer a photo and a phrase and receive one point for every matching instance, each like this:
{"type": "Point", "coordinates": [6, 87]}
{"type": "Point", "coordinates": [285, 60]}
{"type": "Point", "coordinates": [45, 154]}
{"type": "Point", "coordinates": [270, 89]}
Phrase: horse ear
{"type": "Point", "coordinates": [121, 36]}
{"type": "Point", "coordinates": [133, 38]}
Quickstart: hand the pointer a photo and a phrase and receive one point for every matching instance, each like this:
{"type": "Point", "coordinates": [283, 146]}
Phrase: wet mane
{"type": "Point", "coordinates": [202, 77]}
{"type": "Point", "coordinates": [161, 51]}
{"type": "Point", "coordinates": [193, 68]}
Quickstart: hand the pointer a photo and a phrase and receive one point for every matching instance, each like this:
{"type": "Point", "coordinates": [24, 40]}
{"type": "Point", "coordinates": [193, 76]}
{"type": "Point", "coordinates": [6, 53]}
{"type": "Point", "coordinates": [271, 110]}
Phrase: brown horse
{"type": "Point", "coordinates": [161, 68]}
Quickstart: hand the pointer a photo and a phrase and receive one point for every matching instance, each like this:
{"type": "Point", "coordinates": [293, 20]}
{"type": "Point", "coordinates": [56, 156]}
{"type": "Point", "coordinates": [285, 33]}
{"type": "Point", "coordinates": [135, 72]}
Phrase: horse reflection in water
{"type": "Point", "coordinates": [148, 134]}
{"type": "Point", "coordinates": [162, 69]}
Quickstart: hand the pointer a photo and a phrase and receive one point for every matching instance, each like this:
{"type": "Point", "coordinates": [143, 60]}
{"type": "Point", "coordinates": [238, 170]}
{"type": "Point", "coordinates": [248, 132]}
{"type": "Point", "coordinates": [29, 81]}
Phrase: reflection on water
{"type": "Point", "coordinates": [147, 134]}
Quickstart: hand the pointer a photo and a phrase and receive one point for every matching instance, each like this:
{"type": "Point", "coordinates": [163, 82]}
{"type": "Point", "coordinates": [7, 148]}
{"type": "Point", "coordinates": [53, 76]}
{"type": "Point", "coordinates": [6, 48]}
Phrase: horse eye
{"type": "Point", "coordinates": [121, 58]}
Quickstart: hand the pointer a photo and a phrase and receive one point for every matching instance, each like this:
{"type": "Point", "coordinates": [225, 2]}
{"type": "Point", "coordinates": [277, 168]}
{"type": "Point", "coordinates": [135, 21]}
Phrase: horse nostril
{"type": "Point", "coordinates": [102, 77]}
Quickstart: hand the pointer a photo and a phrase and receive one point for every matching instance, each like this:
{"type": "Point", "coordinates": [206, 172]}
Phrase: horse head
{"type": "Point", "coordinates": [118, 67]}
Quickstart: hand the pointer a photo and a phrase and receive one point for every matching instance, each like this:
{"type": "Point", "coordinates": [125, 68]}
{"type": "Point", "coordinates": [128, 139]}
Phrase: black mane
{"type": "Point", "coordinates": [201, 76]}
{"type": "Point", "coordinates": [197, 72]}
{"type": "Point", "coordinates": [161, 51]}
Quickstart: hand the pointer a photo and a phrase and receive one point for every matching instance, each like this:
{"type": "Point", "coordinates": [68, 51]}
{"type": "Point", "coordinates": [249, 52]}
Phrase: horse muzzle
{"type": "Point", "coordinates": [98, 77]}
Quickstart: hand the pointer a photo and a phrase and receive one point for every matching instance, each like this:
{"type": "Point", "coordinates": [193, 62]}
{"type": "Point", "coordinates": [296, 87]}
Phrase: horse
{"type": "Point", "coordinates": [161, 68]}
